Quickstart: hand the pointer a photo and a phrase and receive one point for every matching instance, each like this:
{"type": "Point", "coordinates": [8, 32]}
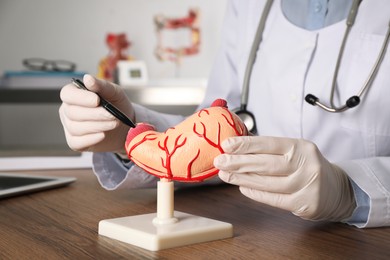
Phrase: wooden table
{"type": "Point", "coordinates": [63, 224]}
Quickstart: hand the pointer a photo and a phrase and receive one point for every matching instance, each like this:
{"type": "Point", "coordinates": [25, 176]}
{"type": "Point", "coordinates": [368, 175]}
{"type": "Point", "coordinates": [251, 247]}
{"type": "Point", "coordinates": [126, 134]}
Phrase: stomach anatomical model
{"type": "Point", "coordinates": [185, 152]}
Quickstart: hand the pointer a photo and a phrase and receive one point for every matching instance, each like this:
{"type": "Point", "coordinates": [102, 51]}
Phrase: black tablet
{"type": "Point", "coordinates": [13, 184]}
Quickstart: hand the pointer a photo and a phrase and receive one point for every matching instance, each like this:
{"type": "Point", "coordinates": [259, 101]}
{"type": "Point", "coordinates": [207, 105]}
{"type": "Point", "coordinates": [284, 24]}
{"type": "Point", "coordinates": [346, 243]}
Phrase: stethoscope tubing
{"type": "Point", "coordinates": [310, 98]}
{"type": "Point", "coordinates": [253, 53]}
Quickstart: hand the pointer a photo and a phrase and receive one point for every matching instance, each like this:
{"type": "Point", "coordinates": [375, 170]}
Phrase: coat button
{"type": "Point", "coordinates": [317, 7]}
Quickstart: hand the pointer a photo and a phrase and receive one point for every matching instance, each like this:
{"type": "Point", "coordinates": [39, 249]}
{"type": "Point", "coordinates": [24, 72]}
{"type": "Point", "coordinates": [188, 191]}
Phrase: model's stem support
{"type": "Point", "coordinates": [165, 203]}
{"type": "Point", "coordinates": [162, 230]}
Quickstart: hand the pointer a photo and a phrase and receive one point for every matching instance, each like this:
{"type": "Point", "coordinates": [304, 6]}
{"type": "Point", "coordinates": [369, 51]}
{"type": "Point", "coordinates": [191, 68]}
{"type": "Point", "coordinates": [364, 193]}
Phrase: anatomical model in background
{"type": "Point", "coordinates": [118, 45]}
{"type": "Point", "coordinates": [174, 26]}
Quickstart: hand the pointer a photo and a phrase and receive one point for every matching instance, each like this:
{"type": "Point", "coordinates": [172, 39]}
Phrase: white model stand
{"type": "Point", "coordinates": [166, 228]}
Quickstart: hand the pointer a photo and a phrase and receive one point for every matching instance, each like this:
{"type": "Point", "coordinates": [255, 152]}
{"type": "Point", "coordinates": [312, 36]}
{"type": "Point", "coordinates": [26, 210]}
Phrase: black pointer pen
{"type": "Point", "coordinates": [107, 105]}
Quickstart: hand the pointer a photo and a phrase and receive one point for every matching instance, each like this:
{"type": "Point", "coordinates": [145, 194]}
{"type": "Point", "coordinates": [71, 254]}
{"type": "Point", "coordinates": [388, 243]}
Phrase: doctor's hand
{"type": "Point", "coordinates": [88, 126]}
{"type": "Point", "coordinates": [290, 174]}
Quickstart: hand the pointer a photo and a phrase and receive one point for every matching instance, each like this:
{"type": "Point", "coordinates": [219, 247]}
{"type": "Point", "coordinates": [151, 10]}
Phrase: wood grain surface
{"type": "Point", "coordinates": [63, 224]}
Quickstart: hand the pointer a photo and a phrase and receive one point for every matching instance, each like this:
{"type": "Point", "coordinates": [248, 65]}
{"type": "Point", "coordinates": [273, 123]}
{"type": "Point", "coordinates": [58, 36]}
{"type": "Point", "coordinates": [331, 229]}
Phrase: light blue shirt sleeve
{"type": "Point", "coordinates": [360, 215]}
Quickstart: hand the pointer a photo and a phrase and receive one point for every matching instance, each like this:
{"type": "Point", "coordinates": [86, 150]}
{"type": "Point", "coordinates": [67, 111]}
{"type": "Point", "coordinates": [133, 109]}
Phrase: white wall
{"type": "Point", "coordinates": [75, 30]}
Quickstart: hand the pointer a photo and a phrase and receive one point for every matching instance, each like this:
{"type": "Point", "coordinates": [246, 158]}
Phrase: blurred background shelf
{"type": "Point", "coordinates": [30, 124]}
{"type": "Point", "coordinates": [29, 96]}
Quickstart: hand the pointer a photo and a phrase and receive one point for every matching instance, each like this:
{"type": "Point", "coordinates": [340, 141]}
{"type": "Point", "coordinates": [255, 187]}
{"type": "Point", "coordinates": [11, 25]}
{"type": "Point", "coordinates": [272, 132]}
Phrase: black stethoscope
{"type": "Point", "coordinates": [249, 119]}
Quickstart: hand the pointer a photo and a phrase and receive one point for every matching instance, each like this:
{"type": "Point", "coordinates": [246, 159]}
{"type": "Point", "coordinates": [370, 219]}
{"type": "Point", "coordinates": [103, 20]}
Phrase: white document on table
{"type": "Point", "coordinates": [46, 162]}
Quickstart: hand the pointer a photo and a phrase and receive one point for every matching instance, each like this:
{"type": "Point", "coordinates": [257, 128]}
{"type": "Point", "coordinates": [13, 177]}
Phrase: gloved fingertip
{"type": "Point", "coordinates": [219, 161]}
{"type": "Point", "coordinates": [243, 190]}
{"type": "Point", "coordinates": [227, 145]}
{"type": "Point", "coordinates": [88, 77]}
{"type": "Point", "coordinates": [89, 80]}
{"type": "Point", "coordinates": [224, 176]}
{"type": "Point", "coordinates": [250, 192]}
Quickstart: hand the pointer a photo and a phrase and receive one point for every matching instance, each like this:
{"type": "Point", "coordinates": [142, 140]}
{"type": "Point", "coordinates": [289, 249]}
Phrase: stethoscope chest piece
{"type": "Point", "coordinates": [247, 118]}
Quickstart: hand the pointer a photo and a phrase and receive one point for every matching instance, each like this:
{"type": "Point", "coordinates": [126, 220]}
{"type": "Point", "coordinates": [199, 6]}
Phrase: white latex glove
{"type": "Point", "coordinates": [88, 126]}
{"type": "Point", "coordinates": [290, 174]}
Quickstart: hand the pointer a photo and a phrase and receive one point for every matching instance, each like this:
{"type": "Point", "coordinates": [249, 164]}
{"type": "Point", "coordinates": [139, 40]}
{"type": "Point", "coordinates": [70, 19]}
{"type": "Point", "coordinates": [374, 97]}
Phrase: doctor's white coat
{"type": "Point", "coordinates": [292, 62]}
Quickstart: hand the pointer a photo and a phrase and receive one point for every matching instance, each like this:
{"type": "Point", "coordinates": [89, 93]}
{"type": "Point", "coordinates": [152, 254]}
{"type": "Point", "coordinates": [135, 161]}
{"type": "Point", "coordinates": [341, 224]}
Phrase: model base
{"type": "Point", "coordinates": [142, 231]}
